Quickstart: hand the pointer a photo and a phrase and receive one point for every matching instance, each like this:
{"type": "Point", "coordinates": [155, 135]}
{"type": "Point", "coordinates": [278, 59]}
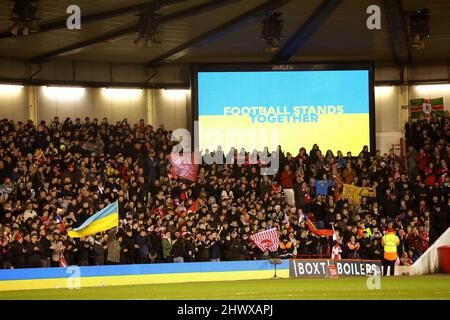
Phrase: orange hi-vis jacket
{"type": "Point", "coordinates": [286, 246]}
{"type": "Point", "coordinates": [390, 242]}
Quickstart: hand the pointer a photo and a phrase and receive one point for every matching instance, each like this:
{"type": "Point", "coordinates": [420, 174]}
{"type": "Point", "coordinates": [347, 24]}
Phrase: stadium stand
{"type": "Point", "coordinates": [54, 176]}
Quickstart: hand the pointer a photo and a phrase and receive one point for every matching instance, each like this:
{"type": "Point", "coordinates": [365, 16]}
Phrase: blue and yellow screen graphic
{"type": "Point", "coordinates": [294, 109]}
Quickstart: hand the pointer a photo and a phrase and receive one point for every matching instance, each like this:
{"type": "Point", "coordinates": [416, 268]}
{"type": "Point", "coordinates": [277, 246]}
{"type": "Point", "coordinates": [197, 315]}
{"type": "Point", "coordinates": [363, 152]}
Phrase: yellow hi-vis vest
{"type": "Point", "coordinates": [390, 242]}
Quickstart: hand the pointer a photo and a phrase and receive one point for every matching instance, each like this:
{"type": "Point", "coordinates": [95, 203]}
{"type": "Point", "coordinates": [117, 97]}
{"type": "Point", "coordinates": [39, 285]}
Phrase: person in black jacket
{"type": "Point", "coordinates": [34, 252]}
{"type": "Point", "coordinates": [128, 248]}
{"type": "Point", "coordinates": [98, 251]}
{"type": "Point", "coordinates": [404, 245]}
{"type": "Point", "coordinates": [303, 243]}
{"type": "Point", "coordinates": [236, 251]}
{"type": "Point", "coordinates": [179, 251]}
{"type": "Point", "coordinates": [5, 253]}
{"type": "Point", "coordinates": [45, 241]}
{"type": "Point", "coordinates": [152, 166]}
{"type": "Point", "coordinates": [438, 215]}
{"type": "Point", "coordinates": [299, 194]}
{"type": "Point", "coordinates": [391, 207]}
{"type": "Point", "coordinates": [83, 252]}
{"type": "Point", "coordinates": [70, 250]}
{"type": "Point", "coordinates": [214, 250]}
{"type": "Point", "coordinates": [365, 245]}
{"type": "Point", "coordinates": [376, 250]}
{"type": "Point", "coordinates": [190, 247]}
{"type": "Point", "coordinates": [144, 243]}
{"type": "Point", "coordinates": [202, 248]}
{"type": "Point", "coordinates": [319, 213]}
{"type": "Point", "coordinates": [313, 241]}
{"type": "Point", "coordinates": [19, 253]}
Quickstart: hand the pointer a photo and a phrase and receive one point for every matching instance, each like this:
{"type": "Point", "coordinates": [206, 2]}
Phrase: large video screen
{"type": "Point", "coordinates": [295, 107]}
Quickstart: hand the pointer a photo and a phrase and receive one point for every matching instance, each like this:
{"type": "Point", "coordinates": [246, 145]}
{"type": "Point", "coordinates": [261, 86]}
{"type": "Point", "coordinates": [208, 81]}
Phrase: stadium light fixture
{"type": "Point", "coordinates": [24, 16]}
{"type": "Point", "coordinates": [10, 89]}
{"type": "Point", "coordinates": [175, 93]}
{"type": "Point", "coordinates": [271, 31]}
{"type": "Point", "coordinates": [430, 88]}
{"type": "Point", "coordinates": [383, 90]}
{"type": "Point", "coordinates": [147, 29]}
{"type": "Point", "coordinates": [64, 93]}
{"type": "Point", "coordinates": [419, 28]}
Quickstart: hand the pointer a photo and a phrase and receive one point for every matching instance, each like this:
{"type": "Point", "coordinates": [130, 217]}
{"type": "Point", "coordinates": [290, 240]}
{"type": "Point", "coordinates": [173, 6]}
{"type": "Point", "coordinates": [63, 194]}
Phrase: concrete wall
{"type": "Point", "coordinates": [115, 104]}
{"type": "Point", "coordinates": [387, 107]}
{"type": "Point", "coordinates": [432, 91]}
{"type": "Point", "coordinates": [172, 108]}
{"type": "Point", "coordinates": [13, 103]}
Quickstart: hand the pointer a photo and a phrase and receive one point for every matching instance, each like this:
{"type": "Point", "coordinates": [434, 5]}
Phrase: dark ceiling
{"type": "Point", "coordinates": [210, 31]}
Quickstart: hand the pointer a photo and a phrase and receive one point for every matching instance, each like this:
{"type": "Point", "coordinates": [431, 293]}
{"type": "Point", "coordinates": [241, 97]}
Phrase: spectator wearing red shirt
{"type": "Point", "coordinates": [442, 172]}
{"type": "Point", "coordinates": [424, 239]}
{"type": "Point", "coordinates": [414, 241]}
{"type": "Point", "coordinates": [430, 177]}
{"type": "Point", "coordinates": [124, 170]}
{"type": "Point", "coordinates": [352, 248]}
{"type": "Point", "coordinates": [405, 260]}
{"type": "Point", "coordinates": [422, 161]}
{"type": "Point", "coordinates": [276, 188]}
{"type": "Point", "coordinates": [287, 178]}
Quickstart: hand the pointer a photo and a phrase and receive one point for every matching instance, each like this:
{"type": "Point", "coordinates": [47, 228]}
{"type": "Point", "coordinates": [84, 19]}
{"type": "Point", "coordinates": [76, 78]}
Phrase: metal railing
{"type": "Point", "coordinates": [399, 148]}
{"type": "Point", "coordinates": [298, 256]}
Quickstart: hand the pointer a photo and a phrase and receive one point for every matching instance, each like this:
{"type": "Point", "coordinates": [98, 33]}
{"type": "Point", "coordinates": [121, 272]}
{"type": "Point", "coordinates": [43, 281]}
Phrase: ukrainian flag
{"type": "Point", "coordinates": [105, 219]}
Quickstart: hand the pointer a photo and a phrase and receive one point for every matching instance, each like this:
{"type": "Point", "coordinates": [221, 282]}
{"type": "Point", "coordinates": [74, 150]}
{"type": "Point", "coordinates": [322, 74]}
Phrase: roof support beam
{"type": "Point", "coordinates": [95, 84]}
{"type": "Point", "coordinates": [218, 31]}
{"type": "Point", "coordinates": [204, 7]}
{"type": "Point", "coordinates": [62, 24]}
{"type": "Point", "coordinates": [311, 25]}
{"type": "Point", "coordinates": [398, 30]}
{"type": "Point", "coordinates": [196, 10]}
{"type": "Point", "coordinates": [104, 37]}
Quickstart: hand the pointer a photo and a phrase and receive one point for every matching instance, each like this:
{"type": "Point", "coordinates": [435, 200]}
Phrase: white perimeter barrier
{"type": "Point", "coordinates": [429, 262]}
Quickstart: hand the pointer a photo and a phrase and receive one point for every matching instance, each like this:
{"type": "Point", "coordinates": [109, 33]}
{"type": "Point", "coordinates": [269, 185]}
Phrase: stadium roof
{"type": "Point", "coordinates": [230, 30]}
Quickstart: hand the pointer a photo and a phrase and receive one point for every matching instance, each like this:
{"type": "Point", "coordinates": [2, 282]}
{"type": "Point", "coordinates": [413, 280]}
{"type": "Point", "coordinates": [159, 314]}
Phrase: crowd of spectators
{"type": "Point", "coordinates": [53, 176]}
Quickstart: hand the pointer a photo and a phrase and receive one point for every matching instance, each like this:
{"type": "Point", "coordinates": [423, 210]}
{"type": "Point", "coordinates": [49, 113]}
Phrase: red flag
{"type": "Point", "coordinates": [183, 166]}
{"type": "Point", "coordinates": [62, 261]}
{"type": "Point", "coordinates": [193, 208]}
{"type": "Point", "coordinates": [339, 185]}
{"type": "Point", "coordinates": [160, 212]}
{"type": "Point", "coordinates": [312, 228]}
{"type": "Point", "coordinates": [266, 240]}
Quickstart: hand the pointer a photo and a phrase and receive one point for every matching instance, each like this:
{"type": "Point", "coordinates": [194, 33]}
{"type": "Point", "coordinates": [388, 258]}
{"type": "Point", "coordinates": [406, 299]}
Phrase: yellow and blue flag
{"type": "Point", "coordinates": [103, 220]}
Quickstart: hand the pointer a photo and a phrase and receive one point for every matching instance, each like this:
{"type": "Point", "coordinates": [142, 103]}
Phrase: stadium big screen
{"type": "Point", "coordinates": [295, 105]}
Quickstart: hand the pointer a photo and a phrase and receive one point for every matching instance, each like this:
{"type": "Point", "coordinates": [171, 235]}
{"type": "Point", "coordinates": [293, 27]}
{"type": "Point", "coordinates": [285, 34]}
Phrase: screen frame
{"type": "Point", "coordinates": [287, 67]}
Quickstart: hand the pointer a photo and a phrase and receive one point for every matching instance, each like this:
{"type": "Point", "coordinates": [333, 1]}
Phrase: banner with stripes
{"type": "Point", "coordinates": [266, 240]}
